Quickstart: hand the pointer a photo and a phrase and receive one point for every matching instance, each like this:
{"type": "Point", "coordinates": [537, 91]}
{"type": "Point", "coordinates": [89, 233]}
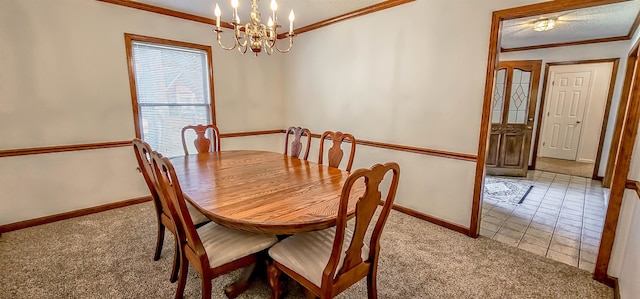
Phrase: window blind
{"type": "Point", "coordinates": [172, 88]}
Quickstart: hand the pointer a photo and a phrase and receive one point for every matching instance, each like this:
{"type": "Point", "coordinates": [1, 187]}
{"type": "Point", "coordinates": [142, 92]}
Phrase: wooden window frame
{"type": "Point", "coordinates": [130, 38]}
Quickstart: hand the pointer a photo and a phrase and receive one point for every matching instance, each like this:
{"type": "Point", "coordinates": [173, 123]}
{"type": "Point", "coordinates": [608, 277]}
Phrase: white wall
{"type": "Point", "coordinates": [411, 75]}
{"type": "Point", "coordinates": [582, 52]}
{"type": "Point", "coordinates": [625, 262]}
{"type": "Point", "coordinates": [64, 81]}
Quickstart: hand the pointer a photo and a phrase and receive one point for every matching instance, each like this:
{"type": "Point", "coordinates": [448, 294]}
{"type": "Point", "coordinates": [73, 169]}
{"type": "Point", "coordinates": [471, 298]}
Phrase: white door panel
{"type": "Point", "coordinates": [563, 123]}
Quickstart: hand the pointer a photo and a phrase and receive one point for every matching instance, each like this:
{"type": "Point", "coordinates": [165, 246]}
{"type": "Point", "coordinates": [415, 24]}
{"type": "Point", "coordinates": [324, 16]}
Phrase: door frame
{"type": "Point", "coordinates": [607, 108]}
{"type": "Point", "coordinates": [622, 108]}
{"type": "Point", "coordinates": [627, 139]}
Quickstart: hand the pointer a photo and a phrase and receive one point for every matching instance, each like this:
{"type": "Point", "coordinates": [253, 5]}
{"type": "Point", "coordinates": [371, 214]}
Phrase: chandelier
{"type": "Point", "coordinates": [255, 35]}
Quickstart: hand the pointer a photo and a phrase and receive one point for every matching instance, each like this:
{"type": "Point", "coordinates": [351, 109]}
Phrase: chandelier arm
{"type": "Point", "coordinates": [271, 36]}
{"type": "Point", "coordinates": [275, 45]}
{"type": "Point", "coordinates": [269, 50]}
{"type": "Point", "coordinates": [243, 49]}
{"type": "Point", "coordinates": [241, 40]}
{"type": "Point", "coordinates": [218, 35]}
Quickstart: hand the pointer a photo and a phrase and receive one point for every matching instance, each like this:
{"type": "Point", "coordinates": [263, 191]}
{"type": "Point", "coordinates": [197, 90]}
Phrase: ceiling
{"type": "Point", "coordinates": [612, 20]}
{"type": "Point", "coordinates": [307, 11]}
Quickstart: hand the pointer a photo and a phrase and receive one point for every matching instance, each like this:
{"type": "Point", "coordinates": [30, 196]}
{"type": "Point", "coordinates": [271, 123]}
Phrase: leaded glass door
{"type": "Point", "coordinates": [512, 116]}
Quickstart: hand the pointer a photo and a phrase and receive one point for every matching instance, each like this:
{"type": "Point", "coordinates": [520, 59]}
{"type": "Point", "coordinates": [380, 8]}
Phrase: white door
{"type": "Point", "coordinates": [565, 111]}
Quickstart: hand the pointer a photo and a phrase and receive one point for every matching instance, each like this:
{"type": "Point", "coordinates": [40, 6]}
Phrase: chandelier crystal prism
{"type": "Point", "coordinates": [254, 35]}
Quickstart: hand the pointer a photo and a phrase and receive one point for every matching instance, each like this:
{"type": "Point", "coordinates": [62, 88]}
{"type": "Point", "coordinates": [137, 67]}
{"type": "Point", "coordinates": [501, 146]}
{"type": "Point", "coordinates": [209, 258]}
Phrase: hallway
{"type": "Point", "coordinates": [561, 218]}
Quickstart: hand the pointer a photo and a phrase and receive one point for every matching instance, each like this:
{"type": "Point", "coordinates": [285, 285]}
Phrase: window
{"type": "Point", "coordinates": [171, 87]}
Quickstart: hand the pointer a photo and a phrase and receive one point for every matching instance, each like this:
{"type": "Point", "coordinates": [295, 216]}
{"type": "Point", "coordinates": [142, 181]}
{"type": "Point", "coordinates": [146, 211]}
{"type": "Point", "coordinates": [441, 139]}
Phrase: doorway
{"type": "Point", "coordinates": [573, 116]}
{"type": "Point", "coordinates": [629, 130]}
{"type": "Point", "coordinates": [512, 117]}
{"type": "Point", "coordinates": [562, 216]}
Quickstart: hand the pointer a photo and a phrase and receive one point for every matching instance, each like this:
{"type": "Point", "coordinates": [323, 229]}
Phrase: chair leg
{"type": "Point", "coordinates": [159, 241]}
{"type": "Point", "coordinates": [372, 288]}
{"type": "Point", "coordinates": [308, 294]}
{"type": "Point", "coordinates": [273, 274]}
{"type": "Point", "coordinates": [182, 279]}
{"type": "Point", "coordinates": [176, 261]}
{"type": "Point", "coordinates": [206, 286]}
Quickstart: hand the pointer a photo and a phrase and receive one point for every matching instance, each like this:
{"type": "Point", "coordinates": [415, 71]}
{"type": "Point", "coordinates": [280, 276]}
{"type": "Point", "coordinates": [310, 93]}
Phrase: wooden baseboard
{"type": "Point", "coordinates": [611, 282]}
{"type": "Point", "coordinates": [72, 214]}
{"type": "Point", "coordinates": [434, 220]}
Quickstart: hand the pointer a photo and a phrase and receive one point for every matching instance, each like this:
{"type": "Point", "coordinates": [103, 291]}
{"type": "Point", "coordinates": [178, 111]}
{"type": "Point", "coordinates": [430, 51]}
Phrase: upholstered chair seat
{"type": "Point", "coordinates": [224, 245]}
{"type": "Point", "coordinates": [197, 217]}
{"type": "Point", "coordinates": [295, 252]}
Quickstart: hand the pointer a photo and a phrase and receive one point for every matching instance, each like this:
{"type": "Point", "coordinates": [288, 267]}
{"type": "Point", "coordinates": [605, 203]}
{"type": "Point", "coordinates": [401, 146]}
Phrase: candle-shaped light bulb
{"type": "Point", "coordinates": [292, 17]}
{"type": "Point", "coordinates": [270, 23]}
{"type": "Point", "coordinates": [217, 13]}
{"type": "Point", "coordinates": [234, 4]}
{"type": "Point", "coordinates": [274, 7]}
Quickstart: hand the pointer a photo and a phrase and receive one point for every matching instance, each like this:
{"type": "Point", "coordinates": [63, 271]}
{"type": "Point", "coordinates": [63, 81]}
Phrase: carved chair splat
{"type": "Point", "coordinates": [202, 143]}
{"type": "Point", "coordinates": [343, 267]}
{"type": "Point", "coordinates": [335, 153]}
{"type": "Point", "coordinates": [296, 143]}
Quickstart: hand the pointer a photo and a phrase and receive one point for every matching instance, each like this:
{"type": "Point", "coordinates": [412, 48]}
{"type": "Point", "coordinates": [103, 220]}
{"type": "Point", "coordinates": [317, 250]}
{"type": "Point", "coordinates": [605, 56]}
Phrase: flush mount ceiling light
{"type": "Point", "coordinates": [255, 35]}
{"type": "Point", "coordinates": [544, 24]}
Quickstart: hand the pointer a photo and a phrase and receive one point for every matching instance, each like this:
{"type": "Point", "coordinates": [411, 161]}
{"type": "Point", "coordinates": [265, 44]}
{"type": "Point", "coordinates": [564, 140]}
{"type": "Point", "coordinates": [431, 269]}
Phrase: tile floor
{"type": "Point", "coordinates": [565, 167]}
{"type": "Point", "coordinates": [561, 218]}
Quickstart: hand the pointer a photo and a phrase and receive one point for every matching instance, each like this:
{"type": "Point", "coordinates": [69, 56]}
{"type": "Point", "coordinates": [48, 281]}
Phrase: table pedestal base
{"type": "Point", "coordinates": [238, 287]}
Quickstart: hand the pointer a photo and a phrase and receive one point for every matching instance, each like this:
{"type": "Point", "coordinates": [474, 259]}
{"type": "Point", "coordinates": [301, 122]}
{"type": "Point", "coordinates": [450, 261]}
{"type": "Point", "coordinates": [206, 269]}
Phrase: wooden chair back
{"type": "Point", "coordinates": [143, 155]}
{"type": "Point", "coordinates": [335, 153]}
{"type": "Point", "coordinates": [169, 189]}
{"type": "Point", "coordinates": [296, 143]}
{"type": "Point", "coordinates": [202, 143]}
{"type": "Point", "coordinates": [354, 268]}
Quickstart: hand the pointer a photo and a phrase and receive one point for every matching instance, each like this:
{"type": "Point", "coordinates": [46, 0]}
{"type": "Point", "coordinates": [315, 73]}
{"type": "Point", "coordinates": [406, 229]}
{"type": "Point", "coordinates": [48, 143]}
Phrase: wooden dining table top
{"type": "Point", "coordinates": [263, 192]}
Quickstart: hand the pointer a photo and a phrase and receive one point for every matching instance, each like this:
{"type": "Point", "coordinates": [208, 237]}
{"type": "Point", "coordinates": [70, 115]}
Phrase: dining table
{"type": "Point", "coordinates": [263, 192]}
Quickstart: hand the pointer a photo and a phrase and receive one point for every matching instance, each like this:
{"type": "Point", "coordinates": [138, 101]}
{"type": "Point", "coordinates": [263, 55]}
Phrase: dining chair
{"type": "Point", "coordinates": [143, 155]}
{"type": "Point", "coordinates": [212, 249]}
{"type": "Point", "coordinates": [335, 153]}
{"type": "Point", "coordinates": [202, 143]}
{"type": "Point", "coordinates": [296, 144]}
{"type": "Point", "coordinates": [318, 260]}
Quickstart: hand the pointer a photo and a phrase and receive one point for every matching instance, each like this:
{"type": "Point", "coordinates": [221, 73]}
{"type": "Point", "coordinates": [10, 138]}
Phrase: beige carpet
{"type": "Point", "coordinates": [565, 167]}
{"type": "Point", "coordinates": [109, 255]}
